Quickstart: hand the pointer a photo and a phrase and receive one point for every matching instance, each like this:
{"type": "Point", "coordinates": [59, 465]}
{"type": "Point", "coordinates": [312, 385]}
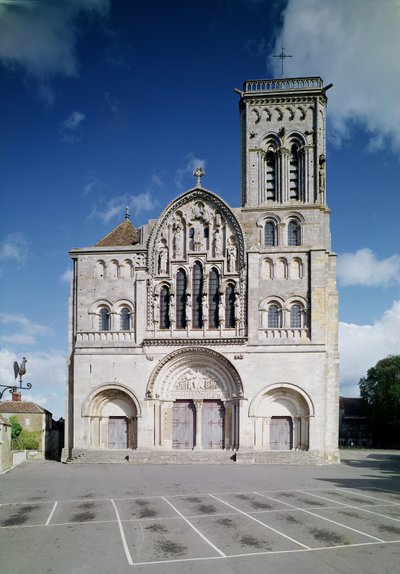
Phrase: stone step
{"type": "Point", "coordinates": [143, 456]}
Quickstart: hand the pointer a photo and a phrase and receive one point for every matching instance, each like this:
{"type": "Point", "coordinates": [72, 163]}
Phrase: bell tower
{"type": "Point", "coordinates": [283, 142]}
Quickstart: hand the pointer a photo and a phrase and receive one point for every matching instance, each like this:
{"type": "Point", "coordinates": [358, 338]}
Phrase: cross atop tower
{"type": "Point", "coordinates": [282, 57]}
{"type": "Point", "coordinates": [199, 174]}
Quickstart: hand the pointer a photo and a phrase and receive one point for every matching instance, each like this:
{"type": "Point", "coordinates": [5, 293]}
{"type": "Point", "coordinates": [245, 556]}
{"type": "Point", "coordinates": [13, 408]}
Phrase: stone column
{"type": "Point", "coordinates": [166, 424]}
{"type": "Point", "coordinates": [157, 423]}
{"type": "Point", "coordinates": [198, 403]}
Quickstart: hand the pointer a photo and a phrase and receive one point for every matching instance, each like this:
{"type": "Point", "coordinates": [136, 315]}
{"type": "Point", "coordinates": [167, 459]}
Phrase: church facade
{"type": "Point", "coordinates": [215, 328]}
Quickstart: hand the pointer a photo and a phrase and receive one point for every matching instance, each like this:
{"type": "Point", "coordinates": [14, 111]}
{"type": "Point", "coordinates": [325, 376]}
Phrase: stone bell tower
{"type": "Point", "coordinates": [283, 142]}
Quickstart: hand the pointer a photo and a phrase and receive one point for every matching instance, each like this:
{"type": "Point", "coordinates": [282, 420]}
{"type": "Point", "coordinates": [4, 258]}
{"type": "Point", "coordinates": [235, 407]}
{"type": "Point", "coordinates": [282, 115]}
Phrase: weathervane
{"type": "Point", "coordinates": [282, 57]}
{"type": "Point", "coordinates": [199, 174]}
{"type": "Point", "coordinates": [127, 213]}
{"type": "Point", "coordinates": [19, 370]}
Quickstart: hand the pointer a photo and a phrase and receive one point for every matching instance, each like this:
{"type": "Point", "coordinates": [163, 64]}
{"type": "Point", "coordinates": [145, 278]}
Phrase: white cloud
{"type": "Point", "coordinates": [112, 104]}
{"type": "Point", "coordinates": [361, 346]}
{"type": "Point", "coordinates": [23, 331]}
{"type": "Point", "coordinates": [70, 127]}
{"type": "Point", "coordinates": [356, 46]}
{"type": "Point", "coordinates": [92, 185]}
{"type": "Point", "coordinates": [115, 207]}
{"type": "Point", "coordinates": [363, 268]}
{"type": "Point", "coordinates": [40, 37]}
{"type": "Point", "coordinates": [46, 371]}
{"type": "Point", "coordinates": [66, 277]}
{"type": "Point", "coordinates": [14, 248]}
{"type": "Point", "coordinates": [191, 164]}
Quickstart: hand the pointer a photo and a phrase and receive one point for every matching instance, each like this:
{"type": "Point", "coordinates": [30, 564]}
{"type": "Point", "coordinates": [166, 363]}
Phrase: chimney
{"type": "Point", "coordinates": [16, 395]}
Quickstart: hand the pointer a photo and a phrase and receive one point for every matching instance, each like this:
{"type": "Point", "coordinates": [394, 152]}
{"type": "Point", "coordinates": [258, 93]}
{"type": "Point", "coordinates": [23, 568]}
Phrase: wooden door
{"type": "Point", "coordinates": [117, 432]}
{"type": "Point", "coordinates": [183, 420]}
{"type": "Point", "coordinates": [213, 425]}
{"type": "Point", "coordinates": [281, 433]}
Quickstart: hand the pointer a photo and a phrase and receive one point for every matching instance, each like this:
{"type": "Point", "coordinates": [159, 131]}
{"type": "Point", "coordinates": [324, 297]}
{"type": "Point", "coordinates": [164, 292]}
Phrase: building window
{"type": "Point", "coordinates": [230, 306]}
{"type": "Point", "coordinates": [273, 317]}
{"type": "Point", "coordinates": [295, 316]}
{"type": "Point", "coordinates": [271, 175]}
{"type": "Point", "coordinates": [294, 235]}
{"type": "Point", "coordinates": [294, 172]}
{"type": "Point", "coordinates": [104, 319]}
{"type": "Point", "coordinates": [213, 288]}
{"type": "Point", "coordinates": [180, 299]}
{"type": "Point", "coordinates": [125, 319]}
{"type": "Point", "coordinates": [270, 234]}
{"type": "Point", "coordinates": [197, 318]}
{"type": "Point", "coordinates": [164, 308]}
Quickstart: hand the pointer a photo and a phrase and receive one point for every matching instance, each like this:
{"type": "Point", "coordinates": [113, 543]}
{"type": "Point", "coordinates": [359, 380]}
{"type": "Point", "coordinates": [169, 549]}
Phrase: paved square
{"type": "Point", "coordinates": [180, 527]}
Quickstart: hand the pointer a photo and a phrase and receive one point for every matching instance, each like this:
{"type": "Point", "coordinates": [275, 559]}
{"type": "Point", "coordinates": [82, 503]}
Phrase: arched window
{"type": "Point", "coordinates": [294, 233]}
{"type": "Point", "coordinates": [197, 318]}
{"type": "Point", "coordinates": [213, 288]}
{"type": "Point", "coordinates": [295, 316]}
{"type": "Point", "coordinates": [229, 306]}
{"type": "Point", "coordinates": [270, 235]}
{"type": "Point", "coordinates": [104, 319]}
{"type": "Point", "coordinates": [164, 308]}
{"type": "Point", "coordinates": [125, 319]}
{"type": "Point", "coordinates": [274, 316]}
{"type": "Point", "coordinates": [294, 172]}
{"type": "Point", "coordinates": [271, 175]}
{"type": "Point", "coordinates": [180, 299]}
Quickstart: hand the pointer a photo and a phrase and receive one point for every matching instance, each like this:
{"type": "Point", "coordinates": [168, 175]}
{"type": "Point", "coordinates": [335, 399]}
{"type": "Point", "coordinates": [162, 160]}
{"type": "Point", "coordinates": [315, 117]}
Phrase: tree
{"type": "Point", "coordinates": [16, 428]}
{"type": "Point", "coordinates": [380, 390]}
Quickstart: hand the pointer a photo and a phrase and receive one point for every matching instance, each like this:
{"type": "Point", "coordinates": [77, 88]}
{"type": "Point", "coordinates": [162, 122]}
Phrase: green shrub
{"type": "Point", "coordinates": [27, 440]}
{"type": "Point", "coordinates": [16, 428]}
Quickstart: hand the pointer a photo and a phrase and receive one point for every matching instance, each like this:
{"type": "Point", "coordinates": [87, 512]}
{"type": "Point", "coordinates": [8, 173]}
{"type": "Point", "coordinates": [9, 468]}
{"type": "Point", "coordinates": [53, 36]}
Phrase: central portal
{"type": "Point", "coordinates": [183, 424]}
{"type": "Point", "coordinates": [213, 428]}
{"type": "Point", "coordinates": [198, 424]}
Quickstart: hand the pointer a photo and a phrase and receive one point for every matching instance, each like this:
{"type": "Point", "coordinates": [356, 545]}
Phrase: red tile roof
{"type": "Point", "coordinates": [123, 234]}
{"type": "Point", "coordinates": [21, 407]}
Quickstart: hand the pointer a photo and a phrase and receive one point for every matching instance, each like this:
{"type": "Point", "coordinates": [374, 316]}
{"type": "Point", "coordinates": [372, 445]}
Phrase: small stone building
{"type": "Point", "coordinates": [215, 328]}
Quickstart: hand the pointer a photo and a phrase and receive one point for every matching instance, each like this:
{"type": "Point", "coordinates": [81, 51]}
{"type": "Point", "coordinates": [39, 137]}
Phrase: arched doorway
{"type": "Point", "coordinates": [112, 412]}
{"type": "Point", "coordinates": [196, 395]}
{"type": "Point", "coordinates": [281, 418]}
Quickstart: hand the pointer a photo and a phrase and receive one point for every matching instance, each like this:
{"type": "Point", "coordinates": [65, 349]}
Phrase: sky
{"type": "Point", "coordinates": [108, 103]}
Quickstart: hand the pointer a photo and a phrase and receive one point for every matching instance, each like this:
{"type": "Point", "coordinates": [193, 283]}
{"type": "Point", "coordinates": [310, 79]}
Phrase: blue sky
{"type": "Point", "coordinates": [107, 103]}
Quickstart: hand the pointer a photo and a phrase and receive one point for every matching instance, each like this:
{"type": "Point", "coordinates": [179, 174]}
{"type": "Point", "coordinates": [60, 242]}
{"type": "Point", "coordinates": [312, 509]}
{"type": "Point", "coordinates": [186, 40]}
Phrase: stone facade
{"type": "Point", "coordinates": [213, 327]}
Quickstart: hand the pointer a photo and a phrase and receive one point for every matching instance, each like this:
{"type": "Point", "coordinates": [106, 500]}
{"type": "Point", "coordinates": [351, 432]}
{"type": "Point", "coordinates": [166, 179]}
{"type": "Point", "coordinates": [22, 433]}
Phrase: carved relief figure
{"type": "Point", "coordinates": [237, 306]}
{"type": "Point", "coordinates": [321, 173]}
{"type": "Point", "coordinates": [217, 242]}
{"type": "Point", "coordinates": [204, 307]}
{"type": "Point", "coordinates": [177, 238]}
{"type": "Point", "coordinates": [163, 258]}
{"type": "Point", "coordinates": [156, 308]}
{"type": "Point", "coordinates": [198, 237]}
{"type": "Point", "coordinates": [171, 308]}
{"type": "Point", "coordinates": [232, 255]}
{"type": "Point", "coordinates": [221, 309]}
{"type": "Point", "coordinates": [194, 381]}
{"type": "Point", "coordinates": [188, 309]}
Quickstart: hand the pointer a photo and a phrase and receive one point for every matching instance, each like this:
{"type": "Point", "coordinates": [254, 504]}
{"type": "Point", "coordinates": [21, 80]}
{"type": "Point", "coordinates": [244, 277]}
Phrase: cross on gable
{"type": "Point", "coordinates": [199, 174]}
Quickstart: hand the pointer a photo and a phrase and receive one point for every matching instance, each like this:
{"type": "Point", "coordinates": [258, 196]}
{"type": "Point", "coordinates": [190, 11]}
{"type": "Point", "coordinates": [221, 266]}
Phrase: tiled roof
{"type": "Point", "coordinates": [123, 234]}
{"type": "Point", "coordinates": [20, 407]}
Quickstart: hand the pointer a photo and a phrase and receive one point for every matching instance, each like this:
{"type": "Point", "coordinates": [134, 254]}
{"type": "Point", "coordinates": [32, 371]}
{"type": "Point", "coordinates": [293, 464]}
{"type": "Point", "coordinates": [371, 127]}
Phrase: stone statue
{"type": "Point", "coordinates": [188, 309]}
{"type": "Point", "coordinates": [171, 308]}
{"type": "Point", "coordinates": [221, 310]}
{"type": "Point", "coordinates": [156, 308]}
{"type": "Point", "coordinates": [237, 307]}
{"type": "Point", "coordinates": [321, 172]}
{"type": "Point", "coordinates": [217, 241]}
{"type": "Point", "coordinates": [163, 258]}
{"type": "Point", "coordinates": [177, 239]}
{"type": "Point", "coordinates": [232, 255]}
{"type": "Point", "coordinates": [204, 307]}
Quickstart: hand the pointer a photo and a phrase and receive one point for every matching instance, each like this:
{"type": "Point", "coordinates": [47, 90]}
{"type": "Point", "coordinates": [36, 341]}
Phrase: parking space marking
{"type": "Point", "coordinates": [373, 497]}
{"type": "Point", "coordinates": [195, 529]}
{"type": "Point", "coordinates": [51, 513]}
{"type": "Point", "coordinates": [121, 531]}
{"type": "Point", "coordinates": [328, 520]}
{"type": "Point", "coordinates": [262, 523]}
{"type": "Point", "coordinates": [360, 508]}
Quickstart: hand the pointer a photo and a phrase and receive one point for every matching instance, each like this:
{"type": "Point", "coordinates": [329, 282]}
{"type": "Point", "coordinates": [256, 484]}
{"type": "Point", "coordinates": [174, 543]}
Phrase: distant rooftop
{"type": "Point", "coordinates": [282, 84]}
{"type": "Point", "coordinates": [123, 234]}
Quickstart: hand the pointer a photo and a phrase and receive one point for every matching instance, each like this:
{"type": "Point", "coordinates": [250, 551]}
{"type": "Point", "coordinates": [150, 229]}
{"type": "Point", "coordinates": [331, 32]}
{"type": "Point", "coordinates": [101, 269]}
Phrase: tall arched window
{"type": "Point", "coordinates": [294, 172]}
{"type": "Point", "coordinates": [213, 288]}
{"type": "Point", "coordinates": [197, 317]}
{"type": "Point", "coordinates": [180, 299]}
{"type": "Point", "coordinates": [270, 235]}
{"type": "Point", "coordinates": [294, 233]}
{"type": "Point", "coordinates": [104, 319]}
{"type": "Point", "coordinates": [125, 319]}
{"type": "Point", "coordinates": [230, 306]}
{"type": "Point", "coordinates": [295, 316]}
{"type": "Point", "coordinates": [164, 308]}
{"type": "Point", "coordinates": [271, 175]}
{"type": "Point", "coordinates": [273, 317]}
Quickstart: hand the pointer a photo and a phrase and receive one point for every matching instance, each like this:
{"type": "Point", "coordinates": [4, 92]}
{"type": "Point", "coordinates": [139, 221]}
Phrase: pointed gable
{"type": "Point", "coordinates": [123, 234]}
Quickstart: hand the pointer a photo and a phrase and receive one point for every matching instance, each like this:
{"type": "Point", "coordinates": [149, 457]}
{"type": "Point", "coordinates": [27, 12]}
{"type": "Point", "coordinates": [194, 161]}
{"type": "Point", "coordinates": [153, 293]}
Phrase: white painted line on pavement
{"type": "Point", "coordinates": [328, 519]}
{"type": "Point", "coordinates": [262, 523]}
{"type": "Point", "coordinates": [195, 529]}
{"type": "Point", "coordinates": [51, 513]}
{"type": "Point", "coordinates": [121, 530]}
{"type": "Point", "coordinates": [373, 497]}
